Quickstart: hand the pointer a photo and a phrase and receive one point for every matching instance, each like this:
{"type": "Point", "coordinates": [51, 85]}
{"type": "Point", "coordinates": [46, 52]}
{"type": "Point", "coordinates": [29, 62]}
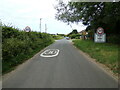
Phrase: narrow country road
{"type": "Point", "coordinates": [69, 69]}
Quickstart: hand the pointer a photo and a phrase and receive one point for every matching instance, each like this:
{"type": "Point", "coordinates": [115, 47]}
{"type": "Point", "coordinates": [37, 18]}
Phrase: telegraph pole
{"type": "Point", "coordinates": [45, 28]}
{"type": "Point", "coordinates": [40, 24]}
{"type": "Point", "coordinates": [71, 26]}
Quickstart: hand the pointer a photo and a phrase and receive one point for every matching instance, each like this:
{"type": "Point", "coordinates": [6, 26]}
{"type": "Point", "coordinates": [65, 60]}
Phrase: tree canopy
{"type": "Point", "coordinates": [93, 14]}
{"type": "Point", "coordinates": [74, 31]}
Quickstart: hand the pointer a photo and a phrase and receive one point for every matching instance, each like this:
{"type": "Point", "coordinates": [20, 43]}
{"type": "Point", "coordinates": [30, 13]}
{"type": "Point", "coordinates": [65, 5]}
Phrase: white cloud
{"type": "Point", "coordinates": [22, 13]}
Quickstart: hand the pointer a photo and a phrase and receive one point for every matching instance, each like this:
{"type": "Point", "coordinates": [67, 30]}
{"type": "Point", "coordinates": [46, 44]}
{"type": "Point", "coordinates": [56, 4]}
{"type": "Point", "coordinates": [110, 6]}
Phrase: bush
{"type": "Point", "coordinates": [113, 39]}
{"type": "Point", "coordinates": [57, 37]}
{"type": "Point", "coordinates": [91, 34]}
{"type": "Point", "coordinates": [18, 46]}
{"type": "Point", "coordinates": [74, 36]}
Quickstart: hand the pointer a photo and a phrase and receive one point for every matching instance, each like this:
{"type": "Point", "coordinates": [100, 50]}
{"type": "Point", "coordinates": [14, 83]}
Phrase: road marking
{"type": "Point", "coordinates": [50, 53]}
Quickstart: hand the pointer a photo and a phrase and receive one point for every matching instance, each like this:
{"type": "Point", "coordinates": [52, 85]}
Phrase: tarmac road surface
{"type": "Point", "coordinates": [69, 69]}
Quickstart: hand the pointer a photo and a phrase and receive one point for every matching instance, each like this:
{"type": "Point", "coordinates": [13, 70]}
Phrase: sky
{"type": "Point", "coordinates": [22, 13]}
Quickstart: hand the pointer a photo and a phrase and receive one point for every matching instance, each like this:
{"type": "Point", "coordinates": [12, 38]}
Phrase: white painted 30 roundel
{"type": "Point", "coordinates": [50, 53]}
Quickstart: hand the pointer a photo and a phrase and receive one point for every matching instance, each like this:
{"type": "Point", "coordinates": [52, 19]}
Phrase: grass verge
{"type": "Point", "coordinates": [105, 53]}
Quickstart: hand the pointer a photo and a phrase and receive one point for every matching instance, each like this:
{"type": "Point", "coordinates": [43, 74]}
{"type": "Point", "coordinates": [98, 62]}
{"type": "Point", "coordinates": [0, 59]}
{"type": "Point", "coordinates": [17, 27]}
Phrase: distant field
{"type": "Point", "coordinates": [105, 53]}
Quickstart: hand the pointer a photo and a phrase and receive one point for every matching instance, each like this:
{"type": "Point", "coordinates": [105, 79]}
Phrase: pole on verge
{"type": "Point", "coordinates": [40, 24]}
{"type": "Point", "coordinates": [45, 28]}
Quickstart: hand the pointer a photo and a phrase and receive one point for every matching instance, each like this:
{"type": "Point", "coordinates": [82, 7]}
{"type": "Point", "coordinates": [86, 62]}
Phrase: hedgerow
{"type": "Point", "coordinates": [18, 46]}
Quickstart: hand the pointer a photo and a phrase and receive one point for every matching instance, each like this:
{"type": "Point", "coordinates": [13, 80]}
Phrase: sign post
{"type": "Point", "coordinates": [100, 36]}
{"type": "Point", "coordinates": [27, 29]}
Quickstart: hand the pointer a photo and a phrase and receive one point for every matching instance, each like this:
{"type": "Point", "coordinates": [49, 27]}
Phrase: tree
{"type": "Point", "coordinates": [73, 32]}
{"type": "Point", "coordinates": [74, 36]}
{"type": "Point", "coordinates": [94, 14]}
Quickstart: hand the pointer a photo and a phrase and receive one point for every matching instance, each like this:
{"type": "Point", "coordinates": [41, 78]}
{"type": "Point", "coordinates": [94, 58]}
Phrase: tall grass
{"type": "Point", "coordinates": [105, 53]}
{"type": "Point", "coordinates": [18, 46]}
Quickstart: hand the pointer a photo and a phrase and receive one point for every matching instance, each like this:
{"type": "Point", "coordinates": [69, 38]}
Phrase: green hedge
{"type": "Point", "coordinates": [74, 36]}
{"type": "Point", "coordinates": [18, 46]}
{"type": "Point", "coordinates": [57, 37]}
{"type": "Point", "coordinates": [113, 39]}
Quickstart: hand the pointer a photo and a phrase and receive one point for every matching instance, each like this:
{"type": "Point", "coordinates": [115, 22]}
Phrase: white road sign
{"type": "Point", "coordinates": [100, 36]}
{"type": "Point", "coordinates": [27, 29]}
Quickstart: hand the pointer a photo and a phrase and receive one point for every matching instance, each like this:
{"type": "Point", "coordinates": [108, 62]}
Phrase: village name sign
{"type": "Point", "coordinates": [100, 36]}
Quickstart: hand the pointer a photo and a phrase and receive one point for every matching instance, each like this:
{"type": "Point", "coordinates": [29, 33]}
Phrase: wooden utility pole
{"type": "Point", "coordinates": [40, 24]}
{"type": "Point", "coordinates": [45, 28]}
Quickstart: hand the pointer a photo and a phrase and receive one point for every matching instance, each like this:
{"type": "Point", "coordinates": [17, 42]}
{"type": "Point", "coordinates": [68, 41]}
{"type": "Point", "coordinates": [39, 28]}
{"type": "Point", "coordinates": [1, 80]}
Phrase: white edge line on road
{"type": "Point", "coordinates": [51, 55]}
